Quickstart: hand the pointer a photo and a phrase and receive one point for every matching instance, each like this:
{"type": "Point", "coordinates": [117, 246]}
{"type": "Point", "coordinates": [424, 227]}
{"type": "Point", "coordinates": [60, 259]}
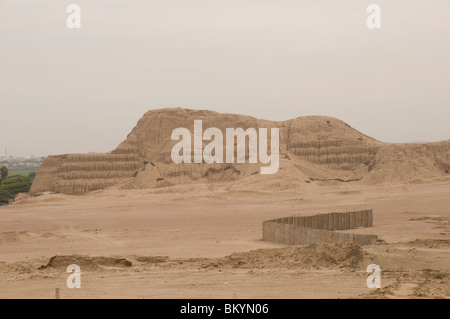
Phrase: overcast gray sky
{"type": "Point", "coordinates": [67, 91]}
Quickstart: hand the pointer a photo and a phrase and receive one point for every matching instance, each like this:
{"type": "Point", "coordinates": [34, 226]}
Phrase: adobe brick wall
{"type": "Point", "coordinates": [308, 230]}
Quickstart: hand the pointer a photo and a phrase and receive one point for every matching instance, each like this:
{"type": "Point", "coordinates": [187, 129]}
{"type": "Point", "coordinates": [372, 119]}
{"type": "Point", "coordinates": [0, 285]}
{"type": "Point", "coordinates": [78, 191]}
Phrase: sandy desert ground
{"type": "Point", "coordinates": [207, 244]}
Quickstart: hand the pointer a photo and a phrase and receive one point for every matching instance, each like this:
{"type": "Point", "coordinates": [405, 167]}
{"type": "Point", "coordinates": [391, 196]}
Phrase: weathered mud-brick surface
{"type": "Point", "coordinates": [266, 231]}
{"type": "Point", "coordinates": [77, 174]}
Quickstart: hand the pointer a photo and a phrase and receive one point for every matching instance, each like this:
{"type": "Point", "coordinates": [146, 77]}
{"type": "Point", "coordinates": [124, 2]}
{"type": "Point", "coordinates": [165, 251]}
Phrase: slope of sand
{"type": "Point", "coordinates": [182, 242]}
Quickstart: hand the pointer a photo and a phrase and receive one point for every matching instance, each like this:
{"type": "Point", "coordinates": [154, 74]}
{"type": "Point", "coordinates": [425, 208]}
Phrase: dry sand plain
{"type": "Point", "coordinates": [206, 243]}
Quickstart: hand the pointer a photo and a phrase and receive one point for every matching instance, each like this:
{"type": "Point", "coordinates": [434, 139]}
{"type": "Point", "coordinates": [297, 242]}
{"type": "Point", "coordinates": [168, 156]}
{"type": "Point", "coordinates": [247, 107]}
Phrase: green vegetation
{"type": "Point", "coordinates": [3, 172]}
{"type": "Point", "coordinates": [5, 196]}
{"type": "Point", "coordinates": [22, 172]}
{"type": "Point", "coordinates": [12, 186]}
{"type": "Point", "coordinates": [13, 182]}
{"type": "Point", "coordinates": [32, 175]}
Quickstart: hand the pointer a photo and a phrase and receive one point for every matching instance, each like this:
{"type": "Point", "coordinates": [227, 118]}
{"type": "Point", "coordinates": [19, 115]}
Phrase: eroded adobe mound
{"type": "Point", "coordinates": [312, 149]}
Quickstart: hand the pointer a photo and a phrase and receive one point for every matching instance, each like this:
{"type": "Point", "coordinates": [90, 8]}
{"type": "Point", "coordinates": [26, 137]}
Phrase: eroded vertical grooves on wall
{"type": "Point", "coordinates": [320, 228]}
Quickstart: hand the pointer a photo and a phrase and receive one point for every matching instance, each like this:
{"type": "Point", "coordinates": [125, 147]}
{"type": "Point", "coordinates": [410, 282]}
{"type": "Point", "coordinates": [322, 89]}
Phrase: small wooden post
{"type": "Point", "coordinates": [57, 296]}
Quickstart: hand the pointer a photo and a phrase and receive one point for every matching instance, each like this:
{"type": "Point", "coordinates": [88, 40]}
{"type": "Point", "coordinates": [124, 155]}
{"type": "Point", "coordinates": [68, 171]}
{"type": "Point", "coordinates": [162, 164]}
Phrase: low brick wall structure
{"type": "Point", "coordinates": [321, 228]}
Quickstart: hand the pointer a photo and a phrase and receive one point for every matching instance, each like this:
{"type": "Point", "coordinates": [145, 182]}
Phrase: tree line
{"type": "Point", "coordinates": [13, 185]}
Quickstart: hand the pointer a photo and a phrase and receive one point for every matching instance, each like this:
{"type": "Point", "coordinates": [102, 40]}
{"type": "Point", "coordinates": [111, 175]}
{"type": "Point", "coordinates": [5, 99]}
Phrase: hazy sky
{"type": "Point", "coordinates": [67, 91]}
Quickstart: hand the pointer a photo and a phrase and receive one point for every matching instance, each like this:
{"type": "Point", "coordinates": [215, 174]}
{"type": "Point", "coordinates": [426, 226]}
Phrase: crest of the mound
{"type": "Point", "coordinates": [312, 150]}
